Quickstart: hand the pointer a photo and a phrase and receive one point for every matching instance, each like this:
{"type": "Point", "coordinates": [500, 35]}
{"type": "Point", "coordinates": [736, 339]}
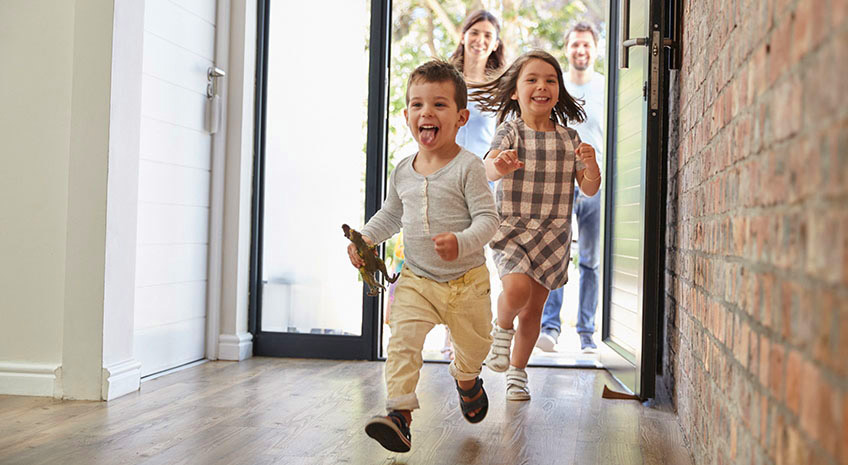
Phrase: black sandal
{"type": "Point", "coordinates": [481, 402]}
{"type": "Point", "coordinates": [391, 431]}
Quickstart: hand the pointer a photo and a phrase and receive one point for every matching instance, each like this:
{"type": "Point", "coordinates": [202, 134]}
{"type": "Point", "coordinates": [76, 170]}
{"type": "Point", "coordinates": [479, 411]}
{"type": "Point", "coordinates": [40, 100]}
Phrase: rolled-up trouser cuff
{"type": "Point", "coordinates": [460, 375]}
{"type": "Point", "coordinates": [404, 402]}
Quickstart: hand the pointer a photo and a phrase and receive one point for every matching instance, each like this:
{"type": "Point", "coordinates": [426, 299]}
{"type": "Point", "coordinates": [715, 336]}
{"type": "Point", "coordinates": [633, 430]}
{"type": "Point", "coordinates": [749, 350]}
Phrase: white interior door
{"type": "Point", "coordinates": [174, 184]}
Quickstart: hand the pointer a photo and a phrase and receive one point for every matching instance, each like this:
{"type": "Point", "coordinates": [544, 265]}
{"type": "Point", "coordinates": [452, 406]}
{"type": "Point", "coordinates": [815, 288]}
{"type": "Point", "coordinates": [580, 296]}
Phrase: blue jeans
{"type": "Point", "coordinates": [588, 211]}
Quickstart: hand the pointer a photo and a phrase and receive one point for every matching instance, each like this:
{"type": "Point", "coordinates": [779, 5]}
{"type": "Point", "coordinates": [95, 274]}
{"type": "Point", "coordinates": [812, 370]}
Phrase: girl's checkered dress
{"type": "Point", "coordinates": [534, 203]}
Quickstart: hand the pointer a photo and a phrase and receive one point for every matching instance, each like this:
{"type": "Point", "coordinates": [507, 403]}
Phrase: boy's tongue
{"type": "Point", "coordinates": [427, 136]}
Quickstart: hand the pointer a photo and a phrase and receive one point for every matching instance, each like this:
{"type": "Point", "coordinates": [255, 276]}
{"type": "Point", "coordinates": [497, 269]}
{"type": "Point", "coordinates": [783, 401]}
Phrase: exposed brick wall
{"type": "Point", "coordinates": [757, 241]}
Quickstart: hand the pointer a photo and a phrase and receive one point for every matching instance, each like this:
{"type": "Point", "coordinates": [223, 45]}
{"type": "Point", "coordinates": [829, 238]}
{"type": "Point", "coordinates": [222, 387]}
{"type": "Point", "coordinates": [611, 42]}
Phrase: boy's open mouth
{"type": "Point", "coordinates": [427, 133]}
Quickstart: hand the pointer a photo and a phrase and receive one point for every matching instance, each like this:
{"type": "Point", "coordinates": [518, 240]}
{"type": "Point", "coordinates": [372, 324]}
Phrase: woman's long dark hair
{"type": "Point", "coordinates": [496, 59]}
{"type": "Point", "coordinates": [495, 96]}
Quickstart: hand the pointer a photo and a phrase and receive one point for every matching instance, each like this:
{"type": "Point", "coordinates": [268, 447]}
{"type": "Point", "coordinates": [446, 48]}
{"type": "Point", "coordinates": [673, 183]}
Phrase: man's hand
{"type": "Point", "coordinates": [353, 254]}
{"type": "Point", "coordinates": [507, 161]}
{"type": "Point", "coordinates": [446, 246]}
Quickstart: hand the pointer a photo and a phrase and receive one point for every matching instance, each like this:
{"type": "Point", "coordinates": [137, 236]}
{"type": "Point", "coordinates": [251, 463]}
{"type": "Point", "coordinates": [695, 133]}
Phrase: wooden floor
{"type": "Point", "coordinates": [312, 412]}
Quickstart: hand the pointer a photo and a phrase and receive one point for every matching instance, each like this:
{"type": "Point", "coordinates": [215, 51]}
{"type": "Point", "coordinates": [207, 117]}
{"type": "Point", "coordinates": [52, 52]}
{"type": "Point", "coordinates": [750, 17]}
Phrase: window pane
{"type": "Point", "coordinates": [314, 176]}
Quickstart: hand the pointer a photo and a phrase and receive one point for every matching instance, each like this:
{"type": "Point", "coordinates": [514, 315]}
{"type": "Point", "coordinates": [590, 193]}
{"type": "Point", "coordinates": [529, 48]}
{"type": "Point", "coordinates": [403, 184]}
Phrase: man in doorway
{"type": "Point", "coordinates": [582, 82]}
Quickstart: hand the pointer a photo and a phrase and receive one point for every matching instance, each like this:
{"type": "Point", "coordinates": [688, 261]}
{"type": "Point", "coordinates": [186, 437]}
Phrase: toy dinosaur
{"type": "Point", "coordinates": [373, 263]}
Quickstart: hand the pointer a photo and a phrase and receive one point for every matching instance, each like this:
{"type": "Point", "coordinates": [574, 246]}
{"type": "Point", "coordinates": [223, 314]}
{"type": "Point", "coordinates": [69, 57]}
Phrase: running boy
{"type": "Point", "coordinates": [441, 199]}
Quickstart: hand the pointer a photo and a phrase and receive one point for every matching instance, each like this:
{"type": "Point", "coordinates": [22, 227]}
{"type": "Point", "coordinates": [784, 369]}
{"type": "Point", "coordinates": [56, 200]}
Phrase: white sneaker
{"type": "Point", "coordinates": [546, 342]}
{"type": "Point", "coordinates": [516, 384]}
{"type": "Point", "coordinates": [498, 358]}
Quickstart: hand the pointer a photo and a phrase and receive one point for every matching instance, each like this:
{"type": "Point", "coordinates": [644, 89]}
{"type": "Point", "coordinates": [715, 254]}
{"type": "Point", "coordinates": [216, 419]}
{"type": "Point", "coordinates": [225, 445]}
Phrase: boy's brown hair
{"type": "Point", "coordinates": [440, 71]}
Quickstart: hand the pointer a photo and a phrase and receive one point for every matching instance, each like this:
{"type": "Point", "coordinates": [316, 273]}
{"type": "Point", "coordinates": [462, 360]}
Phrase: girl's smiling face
{"type": "Point", "coordinates": [537, 88]}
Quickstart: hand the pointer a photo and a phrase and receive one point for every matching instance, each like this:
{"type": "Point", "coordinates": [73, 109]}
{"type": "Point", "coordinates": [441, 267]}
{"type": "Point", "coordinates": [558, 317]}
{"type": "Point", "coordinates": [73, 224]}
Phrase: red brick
{"type": "Point", "coordinates": [825, 247]}
{"type": "Point", "coordinates": [830, 408]}
{"type": "Point", "coordinates": [806, 174]}
{"type": "Point", "coordinates": [801, 33]}
{"type": "Point", "coordinates": [767, 299]}
{"type": "Point", "coordinates": [822, 340]}
{"type": "Point", "coordinates": [839, 355]}
{"type": "Point", "coordinates": [793, 381]}
{"type": "Point", "coordinates": [823, 79]}
{"type": "Point", "coordinates": [778, 58]}
{"type": "Point", "coordinates": [757, 75]}
{"type": "Point", "coordinates": [764, 421]}
{"type": "Point", "coordinates": [777, 378]}
{"type": "Point", "coordinates": [843, 456]}
{"type": "Point", "coordinates": [810, 409]}
{"type": "Point", "coordinates": [804, 317]}
{"type": "Point", "coordinates": [765, 351]}
{"type": "Point", "coordinates": [786, 109]}
{"type": "Point", "coordinates": [787, 301]}
{"type": "Point", "coordinates": [838, 13]}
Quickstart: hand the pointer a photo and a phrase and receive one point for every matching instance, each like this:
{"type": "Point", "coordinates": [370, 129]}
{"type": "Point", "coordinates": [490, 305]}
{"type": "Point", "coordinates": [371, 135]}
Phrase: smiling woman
{"type": "Point", "coordinates": [479, 55]}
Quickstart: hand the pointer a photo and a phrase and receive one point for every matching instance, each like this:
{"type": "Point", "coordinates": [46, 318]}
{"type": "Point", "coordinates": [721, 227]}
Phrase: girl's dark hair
{"type": "Point", "coordinates": [495, 96]}
{"type": "Point", "coordinates": [496, 59]}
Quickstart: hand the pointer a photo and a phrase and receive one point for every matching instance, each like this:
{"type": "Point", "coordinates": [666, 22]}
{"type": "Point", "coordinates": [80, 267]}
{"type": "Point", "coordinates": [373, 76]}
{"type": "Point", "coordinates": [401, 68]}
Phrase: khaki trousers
{"type": "Point", "coordinates": [463, 304]}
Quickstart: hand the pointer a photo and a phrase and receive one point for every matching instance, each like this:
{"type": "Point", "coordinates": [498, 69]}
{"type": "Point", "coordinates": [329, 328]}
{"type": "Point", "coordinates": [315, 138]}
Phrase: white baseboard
{"type": "Point", "coordinates": [31, 379]}
{"type": "Point", "coordinates": [235, 346]}
{"type": "Point", "coordinates": [120, 378]}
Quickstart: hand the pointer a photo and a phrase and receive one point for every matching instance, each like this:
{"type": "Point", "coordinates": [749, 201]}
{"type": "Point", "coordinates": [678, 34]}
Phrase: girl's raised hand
{"type": "Point", "coordinates": [507, 161]}
{"type": "Point", "coordinates": [586, 153]}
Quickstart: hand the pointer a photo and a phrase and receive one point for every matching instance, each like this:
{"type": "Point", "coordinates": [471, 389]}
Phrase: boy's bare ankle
{"type": "Point", "coordinates": [466, 385]}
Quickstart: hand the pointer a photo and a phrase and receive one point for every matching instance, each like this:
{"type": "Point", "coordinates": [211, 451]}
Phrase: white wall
{"type": "Point", "coordinates": [68, 180]}
{"type": "Point", "coordinates": [54, 130]}
{"type": "Point", "coordinates": [35, 129]}
{"type": "Point", "coordinates": [82, 347]}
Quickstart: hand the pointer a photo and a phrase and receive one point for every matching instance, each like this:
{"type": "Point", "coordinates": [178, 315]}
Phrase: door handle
{"type": "Point", "coordinates": [213, 100]}
{"type": "Point", "coordinates": [211, 80]}
{"type": "Point", "coordinates": [626, 41]}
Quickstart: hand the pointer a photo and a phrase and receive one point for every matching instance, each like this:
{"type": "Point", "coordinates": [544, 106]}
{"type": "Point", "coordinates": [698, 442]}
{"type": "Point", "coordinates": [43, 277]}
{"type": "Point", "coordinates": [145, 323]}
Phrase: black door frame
{"type": "Point", "coordinates": [364, 346]}
{"type": "Point", "coordinates": [656, 180]}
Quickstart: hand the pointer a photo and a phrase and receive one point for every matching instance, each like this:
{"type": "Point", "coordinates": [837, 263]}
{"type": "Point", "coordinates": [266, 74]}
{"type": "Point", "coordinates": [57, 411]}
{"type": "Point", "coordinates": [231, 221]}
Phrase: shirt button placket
{"type": "Point", "coordinates": [425, 206]}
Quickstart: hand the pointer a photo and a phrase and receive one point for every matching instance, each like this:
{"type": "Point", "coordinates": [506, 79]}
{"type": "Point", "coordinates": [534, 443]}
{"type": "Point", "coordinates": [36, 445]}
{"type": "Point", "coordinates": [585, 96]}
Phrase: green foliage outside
{"type": "Point", "coordinates": [422, 29]}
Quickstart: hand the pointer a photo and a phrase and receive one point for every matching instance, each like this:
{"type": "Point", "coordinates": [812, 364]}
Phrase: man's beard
{"type": "Point", "coordinates": [581, 66]}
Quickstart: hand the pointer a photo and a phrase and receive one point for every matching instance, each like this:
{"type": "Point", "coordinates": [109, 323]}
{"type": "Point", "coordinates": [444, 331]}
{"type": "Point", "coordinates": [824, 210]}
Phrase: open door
{"type": "Point", "coordinates": [634, 228]}
{"type": "Point", "coordinates": [310, 177]}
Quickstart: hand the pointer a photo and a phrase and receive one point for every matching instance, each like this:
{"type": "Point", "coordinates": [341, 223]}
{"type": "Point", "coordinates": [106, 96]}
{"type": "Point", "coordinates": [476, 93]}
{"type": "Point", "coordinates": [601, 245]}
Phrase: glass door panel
{"type": "Point", "coordinates": [313, 126]}
{"type": "Point", "coordinates": [314, 165]}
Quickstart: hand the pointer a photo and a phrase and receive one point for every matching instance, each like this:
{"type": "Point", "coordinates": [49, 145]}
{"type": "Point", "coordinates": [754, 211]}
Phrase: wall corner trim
{"type": "Point", "coordinates": [235, 346]}
{"type": "Point", "coordinates": [121, 378]}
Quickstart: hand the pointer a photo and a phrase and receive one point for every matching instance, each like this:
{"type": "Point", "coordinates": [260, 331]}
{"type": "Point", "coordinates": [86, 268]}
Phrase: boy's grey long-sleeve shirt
{"type": "Point", "coordinates": [456, 199]}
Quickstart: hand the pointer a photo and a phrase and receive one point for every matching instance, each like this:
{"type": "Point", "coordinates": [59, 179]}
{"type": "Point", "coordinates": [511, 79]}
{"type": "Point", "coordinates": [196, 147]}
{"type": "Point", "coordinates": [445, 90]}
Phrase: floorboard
{"type": "Point", "coordinates": [295, 411]}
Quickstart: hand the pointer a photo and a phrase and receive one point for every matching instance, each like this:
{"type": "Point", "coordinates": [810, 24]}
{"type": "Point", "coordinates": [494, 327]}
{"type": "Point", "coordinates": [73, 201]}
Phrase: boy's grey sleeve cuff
{"type": "Point", "coordinates": [372, 234]}
{"type": "Point", "coordinates": [468, 241]}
